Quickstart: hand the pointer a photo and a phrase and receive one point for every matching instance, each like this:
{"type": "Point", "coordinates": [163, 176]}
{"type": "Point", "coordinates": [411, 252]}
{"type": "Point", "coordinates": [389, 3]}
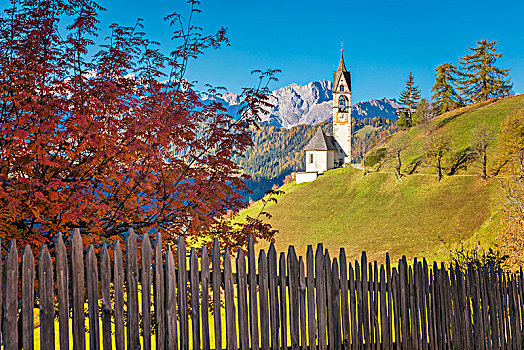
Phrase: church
{"type": "Point", "coordinates": [327, 152]}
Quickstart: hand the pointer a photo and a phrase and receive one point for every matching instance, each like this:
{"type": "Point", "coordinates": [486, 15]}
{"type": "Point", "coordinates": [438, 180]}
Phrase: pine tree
{"type": "Point", "coordinates": [409, 98]}
{"type": "Point", "coordinates": [444, 94]}
{"type": "Point", "coordinates": [423, 113]}
{"type": "Point", "coordinates": [481, 79]}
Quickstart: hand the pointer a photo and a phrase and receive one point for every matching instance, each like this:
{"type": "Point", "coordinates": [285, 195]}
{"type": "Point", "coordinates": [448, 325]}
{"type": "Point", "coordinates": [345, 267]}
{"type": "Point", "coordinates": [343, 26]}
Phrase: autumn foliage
{"type": "Point", "coordinates": [105, 134]}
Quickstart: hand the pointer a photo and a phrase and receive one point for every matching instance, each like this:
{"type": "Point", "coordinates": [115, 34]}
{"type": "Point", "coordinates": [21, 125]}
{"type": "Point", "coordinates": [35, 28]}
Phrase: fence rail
{"type": "Point", "coordinates": [270, 302]}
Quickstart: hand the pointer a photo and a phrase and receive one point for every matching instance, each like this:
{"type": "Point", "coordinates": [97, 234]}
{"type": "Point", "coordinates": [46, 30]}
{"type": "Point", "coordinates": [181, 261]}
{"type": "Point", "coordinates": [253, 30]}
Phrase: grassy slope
{"type": "Point", "coordinates": [374, 213]}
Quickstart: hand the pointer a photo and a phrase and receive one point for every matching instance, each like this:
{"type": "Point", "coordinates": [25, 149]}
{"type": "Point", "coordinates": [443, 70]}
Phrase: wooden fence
{"type": "Point", "coordinates": [270, 302]}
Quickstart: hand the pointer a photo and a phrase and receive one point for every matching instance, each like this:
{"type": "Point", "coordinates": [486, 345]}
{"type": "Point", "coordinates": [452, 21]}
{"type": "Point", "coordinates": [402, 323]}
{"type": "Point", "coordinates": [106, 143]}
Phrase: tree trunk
{"type": "Point", "coordinates": [397, 168]}
{"type": "Point", "coordinates": [439, 170]}
{"type": "Point", "coordinates": [484, 165]}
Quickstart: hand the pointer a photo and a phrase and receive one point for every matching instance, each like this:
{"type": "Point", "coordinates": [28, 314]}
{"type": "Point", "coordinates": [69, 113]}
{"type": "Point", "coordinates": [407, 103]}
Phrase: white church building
{"type": "Point", "coordinates": [327, 152]}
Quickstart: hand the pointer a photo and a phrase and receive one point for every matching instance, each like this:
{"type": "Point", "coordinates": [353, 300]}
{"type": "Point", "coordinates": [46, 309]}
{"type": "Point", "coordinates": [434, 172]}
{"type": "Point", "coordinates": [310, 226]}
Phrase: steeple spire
{"type": "Point", "coordinates": [342, 65]}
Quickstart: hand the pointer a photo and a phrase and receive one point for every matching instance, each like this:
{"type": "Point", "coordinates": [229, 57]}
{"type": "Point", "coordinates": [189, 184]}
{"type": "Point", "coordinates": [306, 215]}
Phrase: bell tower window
{"type": "Point", "coordinates": [342, 88]}
{"type": "Point", "coordinates": [342, 102]}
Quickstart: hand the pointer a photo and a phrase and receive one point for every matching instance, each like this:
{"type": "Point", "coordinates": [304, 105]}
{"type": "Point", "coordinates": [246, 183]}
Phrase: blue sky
{"type": "Point", "coordinates": [383, 40]}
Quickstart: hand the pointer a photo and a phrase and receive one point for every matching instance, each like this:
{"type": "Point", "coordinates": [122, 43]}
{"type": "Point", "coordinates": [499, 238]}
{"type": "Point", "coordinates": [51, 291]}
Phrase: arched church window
{"type": "Point", "coordinates": [342, 102]}
{"type": "Point", "coordinates": [341, 87]}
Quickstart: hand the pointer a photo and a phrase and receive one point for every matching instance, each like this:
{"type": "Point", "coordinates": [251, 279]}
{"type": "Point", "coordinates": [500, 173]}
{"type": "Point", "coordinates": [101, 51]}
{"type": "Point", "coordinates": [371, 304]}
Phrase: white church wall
{"type": "Point", "coordinates": [317, 161]}
{"type": "Point", "coordinates": [306, 177]}
{"type": "Point", "coordinates": [330, 159]}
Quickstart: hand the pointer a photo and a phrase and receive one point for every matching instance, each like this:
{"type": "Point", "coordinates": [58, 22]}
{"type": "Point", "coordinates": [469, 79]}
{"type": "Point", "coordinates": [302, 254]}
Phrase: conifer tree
{"type": "Point", "coordinates": [481, 79]}
{"type": "Point", "coordinates": [444, 94]}
{"type": "Point", "coordinates": [409, 98]}
{"type": "Point", "coordinates": [423, 113]}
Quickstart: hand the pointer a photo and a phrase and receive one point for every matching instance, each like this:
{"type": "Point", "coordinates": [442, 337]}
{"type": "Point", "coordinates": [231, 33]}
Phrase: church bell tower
{"type": "Point", "coordinates": [342, 111]}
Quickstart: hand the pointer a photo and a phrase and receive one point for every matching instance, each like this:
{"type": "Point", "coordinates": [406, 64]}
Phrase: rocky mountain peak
{"type": "Point", "coordinates": [311, 104]}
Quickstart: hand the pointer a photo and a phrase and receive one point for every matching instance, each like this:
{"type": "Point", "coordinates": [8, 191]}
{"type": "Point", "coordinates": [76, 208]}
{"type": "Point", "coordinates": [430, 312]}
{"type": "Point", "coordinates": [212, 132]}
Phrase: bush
{"type": "Point", "coordinates": [478, 257]}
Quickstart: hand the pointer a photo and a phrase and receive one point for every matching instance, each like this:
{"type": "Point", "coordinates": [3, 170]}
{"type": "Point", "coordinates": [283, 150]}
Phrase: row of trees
{"type": "Point", "coordinates": [438, 151]}
{"type": "Point", "coordinates": [477, 78]}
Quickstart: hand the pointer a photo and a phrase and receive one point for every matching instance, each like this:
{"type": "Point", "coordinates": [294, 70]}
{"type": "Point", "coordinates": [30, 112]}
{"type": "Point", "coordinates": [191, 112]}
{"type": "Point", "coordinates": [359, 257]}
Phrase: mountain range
{"type": "Point", "coordinates": [311, 104]}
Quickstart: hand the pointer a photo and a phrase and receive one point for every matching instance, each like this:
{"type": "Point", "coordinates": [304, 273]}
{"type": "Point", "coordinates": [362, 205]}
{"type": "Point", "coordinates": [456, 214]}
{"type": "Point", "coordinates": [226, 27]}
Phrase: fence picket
{"type": "Point", "coordinates": [395, 297]}
{"type": "Point", "coordinates": [194, 283]}
{"type": "Point", "coordinates": [170, 301]}
{"type": "Point", "coordinates": [413, 309]}
{"type": "Point", "coordinates": [273, 297]}
{"type": "Point", "coordinates": [133, 333]}
{"type": "Point", "coordinates": [438, 308]}
{"type": "Point", "coordinates": [429, 306]}
{"type": "Point", "coordinates": [360, 306]}
{"type": "Point", "coordinates": [243, 323]}
{"type": "Point", "coordinates": [77, 286]}
{"type": "Point", "coordinates": [404, 300]}
{"type": "Point", "coordinates": [216, 283]}
{"type": "Point", "coordinates": [329, 299]}
{"type": "Point", "coordinates": [105, 285]}
{"type": "Point", "coordinates": [294, 294]}
{"type": "Point", "coordinates": [159, 296]}
{"type": "Point", "coordinates": [335, 304]}
{"type": "Point", "coordinates": [283, 299]}
{"type": "Point", "coordinates": [10, 331]}
{"type": "Point", "coordinates": [389, 302]}
{"type": "Point", "coordinates": [344, 302]}
{"type": "Point", "coordinates": [376, 298]}
{"type": "Point", "coordinates": [47, 306]}
{"type": "Point", "coordinates": [263, 298]}
{"type": "Point", "coordinates": [92, 298]}
{"type": "Point", "coordinates": [516, 314]}
{"type": "Point", "coordinates": [119, 296]}
{"type": "Point", "coordinates": [320, 284]}
{"type": "Point", "coordinates": [353, 304]}
{"type": "Point", "coordinates": [476, 304]}
{"type": "Point", "coordinates": [310, 286]}
{"type": "Point", "coordinates": [371, 289]}
{"type": "Point", "coordinates": [384, 320]}
{"type": "Point", "coordinates": [253, 304]}
{"type": "Point", "coordinates": [204, 262]}
{"type": "Point", "coordinates": [422, 283]}
{"type": "Point", "coordinates": [230, 303]}
{"type": "Point", "coordinates": [183, 313]}
{"type": "Point", "coordinates": [303, 310]}
{"type": "Point", "coordinates": [28, 298]}
{"type": "Point", "coordinates": [62, 284]}
{"type": "Point", "coordinates": [365, 298]}
{"type": "Point", "coordinates": [146, 289]}
{"type": "Point", "coordinates": [446, 305]}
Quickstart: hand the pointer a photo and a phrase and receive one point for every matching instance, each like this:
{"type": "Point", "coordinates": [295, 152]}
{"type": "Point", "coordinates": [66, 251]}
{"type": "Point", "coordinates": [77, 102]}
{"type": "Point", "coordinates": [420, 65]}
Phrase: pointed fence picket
{"type": "Point", "coordinates": [314, 303]}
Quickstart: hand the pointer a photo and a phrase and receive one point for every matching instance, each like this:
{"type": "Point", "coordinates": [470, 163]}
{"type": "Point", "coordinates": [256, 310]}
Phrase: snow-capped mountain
{"type": "Point", "coordinates": [311, 104]}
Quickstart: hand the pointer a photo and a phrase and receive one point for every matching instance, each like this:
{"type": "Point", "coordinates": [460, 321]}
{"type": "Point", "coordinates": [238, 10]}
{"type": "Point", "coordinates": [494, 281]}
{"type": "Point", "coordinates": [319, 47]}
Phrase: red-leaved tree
{"type": "Point", "coordinates": [108, 134]}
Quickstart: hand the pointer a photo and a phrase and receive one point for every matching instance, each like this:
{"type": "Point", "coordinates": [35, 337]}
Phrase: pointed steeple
{"type": "Point", "coordinates": [342, 65]}
{"type": "Point", "coordinates": [341, 73]}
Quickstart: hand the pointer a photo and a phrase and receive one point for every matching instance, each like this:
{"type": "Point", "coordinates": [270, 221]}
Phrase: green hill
{"type": "Point", "coordinates": [343, 208]}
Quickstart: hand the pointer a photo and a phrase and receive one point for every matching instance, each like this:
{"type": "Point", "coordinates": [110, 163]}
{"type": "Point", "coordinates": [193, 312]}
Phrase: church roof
{"type": "Point", "coordinates": [320, 142]}
{"type": "Point", "coordinates": [341, 71]}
